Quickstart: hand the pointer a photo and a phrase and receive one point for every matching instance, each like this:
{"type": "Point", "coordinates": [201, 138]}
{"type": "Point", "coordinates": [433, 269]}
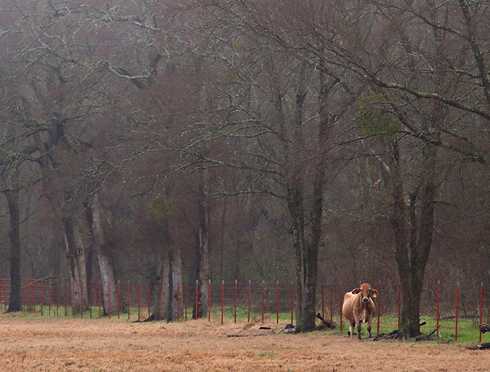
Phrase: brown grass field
{"type": "Point", "coordinates": [112, 345]}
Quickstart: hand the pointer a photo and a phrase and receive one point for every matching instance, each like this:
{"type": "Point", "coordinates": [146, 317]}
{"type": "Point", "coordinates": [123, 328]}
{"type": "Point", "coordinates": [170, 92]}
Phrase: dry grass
{"type": "Point", "coordinates": [111, 345]}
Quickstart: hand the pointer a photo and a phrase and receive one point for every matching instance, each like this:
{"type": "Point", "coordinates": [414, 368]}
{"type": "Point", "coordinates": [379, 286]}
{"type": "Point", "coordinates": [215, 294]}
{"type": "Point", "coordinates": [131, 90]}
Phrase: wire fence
{"type": "Point", "coordinates": [452, 313]}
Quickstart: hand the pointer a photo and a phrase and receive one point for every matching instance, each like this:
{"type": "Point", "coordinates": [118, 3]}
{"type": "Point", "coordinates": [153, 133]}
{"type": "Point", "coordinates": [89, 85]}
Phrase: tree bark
{"type": "Point", "coordinates": [169, 298]}
{"type": "Point", "coordinates": [15, 301]}
{"type": "Point", "coordinates": [177, 309]}
{"type": "Point", "coordinates": [104, 258]}
{"type": "Point", "coordinates": [75, 254]}
{"type": "Point", "coordinates": [203, 243]}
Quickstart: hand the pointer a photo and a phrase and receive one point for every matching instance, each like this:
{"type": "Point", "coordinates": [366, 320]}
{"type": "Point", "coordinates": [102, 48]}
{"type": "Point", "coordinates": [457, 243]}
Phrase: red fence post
{"type": "Point", "coordinates": [128, 299]}
{"type": "Point", "coordinates": [235, 293]}
{"type": "Point", "coordinates": [332, 296]}
{"type": "Point", "coordinates": [57, 297]}
{"type": "Point", "coordinates": [149, 300]}
{"type": "Point", "coordinates": [482, 304]}
{"type": "Point", "coordinates": [278, 301]}
{"type": "Point", "coordinates": [183, 300]}
{"type": "Point", "coordinates": [263, 301]}
{"type": "Point", "coordinates": [118, 295]}
{"type": "Point", "coordinates": [398, 306]}
{"type": "Point", "coordinates": [210, 299]}
{"type": "Point", "coordinates": [341, 324]}
{"type": "Point", "coordinates": [249, 300]}
{"type": "Point", "coordinates": [46, 294]}
{"type": "Point", "coordinates": [438, 307]}
{"type": "Point", "coordinates": [139, 300]}
{"type": "Point", "coordinates": [65, 298]}
{"type": "Point", "coordinates": [457, 299]}
{"type": "Point", "coordinates": [196, 300]}
{"type": "Point", "coordinates": [222, 300]}
{"type": "Point", "coordinates": [323, 301]}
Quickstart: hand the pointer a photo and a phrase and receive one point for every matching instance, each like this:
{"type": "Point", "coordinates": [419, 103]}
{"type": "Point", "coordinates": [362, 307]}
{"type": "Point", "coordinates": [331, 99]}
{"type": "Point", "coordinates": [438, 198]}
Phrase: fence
{"type": "Point", "coordinates": [454, 314]}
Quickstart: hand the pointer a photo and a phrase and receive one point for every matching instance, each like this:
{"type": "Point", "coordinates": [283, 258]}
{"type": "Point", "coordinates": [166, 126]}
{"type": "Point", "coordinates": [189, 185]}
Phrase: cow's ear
{"type": "Point", "coordinates": [356, 290]}
{"type": "Point", "coordinates": [374, 293]}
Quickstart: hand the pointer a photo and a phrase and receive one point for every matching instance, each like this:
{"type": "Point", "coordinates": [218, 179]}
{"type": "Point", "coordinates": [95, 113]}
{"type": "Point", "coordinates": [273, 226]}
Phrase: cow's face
{"type": "Point", "coordinates": [366, 292]}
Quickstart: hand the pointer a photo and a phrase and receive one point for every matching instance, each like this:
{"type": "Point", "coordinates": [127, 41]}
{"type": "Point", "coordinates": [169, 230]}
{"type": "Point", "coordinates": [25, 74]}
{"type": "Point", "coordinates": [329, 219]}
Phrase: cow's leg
{"type": "Point", "coordinates": [369, 327]}
{"type": "Point", "coordinates": [359, 323]}
{"type": "Point", "coordinates": [351, 328]}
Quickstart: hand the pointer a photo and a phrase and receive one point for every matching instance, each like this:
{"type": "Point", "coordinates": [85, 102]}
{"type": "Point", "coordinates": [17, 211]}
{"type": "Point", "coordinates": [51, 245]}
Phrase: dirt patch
{"type": "Point", "coordinates": [111, 345]}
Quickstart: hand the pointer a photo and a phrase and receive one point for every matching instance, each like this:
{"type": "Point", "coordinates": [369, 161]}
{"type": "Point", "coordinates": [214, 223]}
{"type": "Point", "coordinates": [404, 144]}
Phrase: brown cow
{"type": "Point", "coordinates": [359, 307]}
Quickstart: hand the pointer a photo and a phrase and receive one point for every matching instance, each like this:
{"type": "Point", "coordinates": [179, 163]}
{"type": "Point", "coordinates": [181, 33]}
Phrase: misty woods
{"type": "Point", "coordinates": [302, 141]}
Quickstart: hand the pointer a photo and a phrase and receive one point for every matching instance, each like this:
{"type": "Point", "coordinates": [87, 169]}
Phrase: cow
{"type": "Point", "coordinates": [359, 307]}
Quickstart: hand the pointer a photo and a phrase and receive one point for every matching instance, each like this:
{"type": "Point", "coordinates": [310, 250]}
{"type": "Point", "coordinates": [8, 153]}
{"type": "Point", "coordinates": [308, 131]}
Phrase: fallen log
{"type": "Point", "coordinates": [428, 337]}
{"type": "Point", "coordinates": [396, 334]}
{"type": "Point", "coordinates": [484, 346]}
{"type": "Point", "coordinates": [327, 323]}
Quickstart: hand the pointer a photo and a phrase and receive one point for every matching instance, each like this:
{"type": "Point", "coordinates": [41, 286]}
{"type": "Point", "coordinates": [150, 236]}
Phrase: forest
{"type": "Point", "coordinates": [306, 141]}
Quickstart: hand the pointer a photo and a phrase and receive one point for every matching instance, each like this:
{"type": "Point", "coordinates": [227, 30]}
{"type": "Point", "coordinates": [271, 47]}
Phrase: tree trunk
{"type": "Point", "coordinates": [169, 304]}
{"type": "Point", "coordinates": [161, 307]}
{"type": "Point", "coordinates": [104, 258]}
{"type": "Point", "coordinates": [75, 254]}
{"type": "Point", "coordinates": [177, 308]}
{"type": "Point", "coordinates": [15, 301]}
{"type": "Point", "coordinates": [203, 244]}
{"type": "Point", "coordinates": [413, 232]}
{"type": "Point", "coordinates": [169, 297]}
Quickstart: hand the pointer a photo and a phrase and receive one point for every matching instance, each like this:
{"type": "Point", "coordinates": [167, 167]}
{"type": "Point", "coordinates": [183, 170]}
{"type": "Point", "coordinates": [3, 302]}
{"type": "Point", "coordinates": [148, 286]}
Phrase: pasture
{"type": "Point", "coordinates": [32, 342]}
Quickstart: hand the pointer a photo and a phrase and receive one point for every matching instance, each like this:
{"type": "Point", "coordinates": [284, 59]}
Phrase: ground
{"type": "Point", "coordinates": [117, 345]}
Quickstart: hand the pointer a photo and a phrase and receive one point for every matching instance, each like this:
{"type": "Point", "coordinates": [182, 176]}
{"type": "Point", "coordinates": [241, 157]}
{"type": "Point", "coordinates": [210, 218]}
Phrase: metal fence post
{"type": "Point", "coordinates": [222, 301]}
{"type": "Point", "coordinates": [481, 309]}
{"type": "Point", "coordinates": [128, 299]}
{"type": "Point", "coordinates": [196, 300]}
{"type": "Point", "coordinates": [457, 299]}
{"type": "Point", "coordinates": [438, 307]}
{"type": "Point", "coordinates": [323, 300]}
{"type": "Point", "coordinates": [278, 301]}
{"type": "Point", "coordinates": [263, 302]}
{"type": "Point", "coordinates": [210, 299]}
{"type": "Point", "coordinates": [235, 293]}
{"type": "Point", "coordinates": [398, 306]}
{"type": "Point", "coordinates": [249, 300]}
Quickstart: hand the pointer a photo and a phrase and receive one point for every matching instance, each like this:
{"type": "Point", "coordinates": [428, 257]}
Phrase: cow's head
{"type": "Point", "coordinates": [366, 292]}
